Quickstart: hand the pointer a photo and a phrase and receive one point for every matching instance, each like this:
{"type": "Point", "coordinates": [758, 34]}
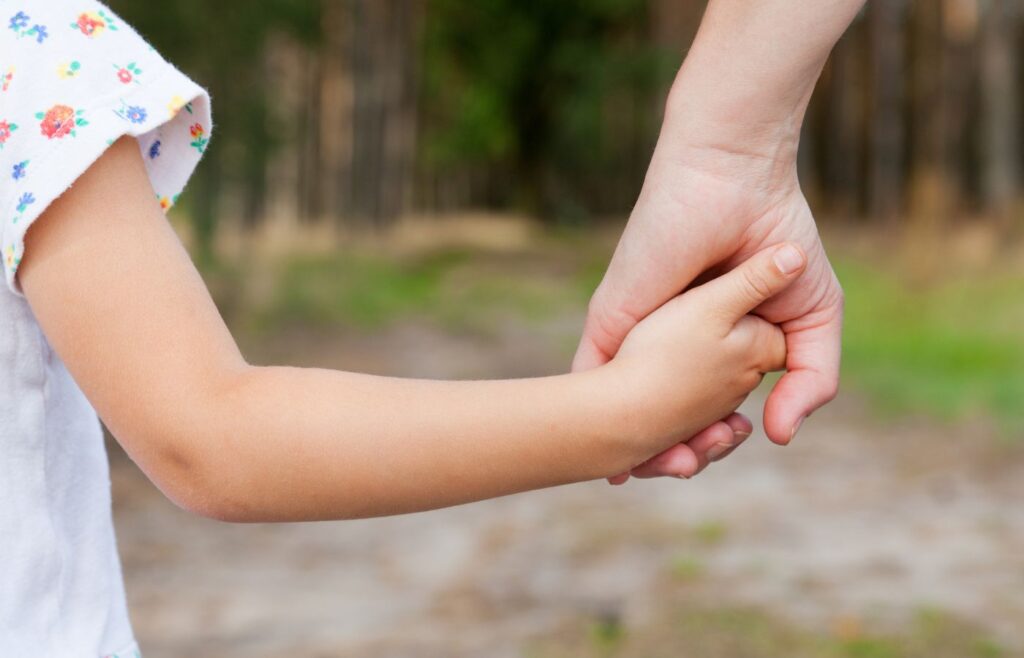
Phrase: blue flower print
{"type": "Point", "coordinates": [25, 201]}
{"type": "Point", "coordinates": [154, 150]}
{"type": "Point", "coordinates": [19, 170]}
{"type": "Point", "coordinates": [132, 113]}
{"type": "Point", "coordinates": [136, 114]}
{"type": "Point", "coordinates": [19, 21]}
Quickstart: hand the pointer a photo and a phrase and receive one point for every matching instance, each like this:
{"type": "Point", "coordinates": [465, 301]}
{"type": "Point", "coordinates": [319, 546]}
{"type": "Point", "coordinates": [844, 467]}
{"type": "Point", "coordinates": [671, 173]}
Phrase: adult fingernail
{"type": "Point", "coordinates": [718, 450]}
{"type": "Point", "coordinates": [788, 259]}
{"type": "Point", "coordinates": [796, 427]}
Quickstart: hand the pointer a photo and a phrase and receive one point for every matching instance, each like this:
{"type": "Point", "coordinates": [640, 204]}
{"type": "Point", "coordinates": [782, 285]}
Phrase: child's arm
{"type": "Point", "coordinates": [121, 302]}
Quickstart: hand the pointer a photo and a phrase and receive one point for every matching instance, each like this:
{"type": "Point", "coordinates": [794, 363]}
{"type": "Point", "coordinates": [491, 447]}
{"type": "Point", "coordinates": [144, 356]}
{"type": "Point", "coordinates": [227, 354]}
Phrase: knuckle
{"type": "Point", "coordinates": [756, 285]}
{"type": "Point", "coordinates": [607, 323]}
{"type": "Point", "coordinates": [748, 380]}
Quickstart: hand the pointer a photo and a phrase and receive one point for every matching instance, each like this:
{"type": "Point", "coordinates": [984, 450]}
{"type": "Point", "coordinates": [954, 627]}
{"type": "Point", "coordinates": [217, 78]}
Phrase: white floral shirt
{"type": "Point", "coordinates": [73, 79]}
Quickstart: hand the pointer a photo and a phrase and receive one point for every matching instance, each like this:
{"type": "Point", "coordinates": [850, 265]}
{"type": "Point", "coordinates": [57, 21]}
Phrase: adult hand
{"type": "Point", "coordinates": [722, 185]}
{"type": "Point", "coordinates": [702, 210]}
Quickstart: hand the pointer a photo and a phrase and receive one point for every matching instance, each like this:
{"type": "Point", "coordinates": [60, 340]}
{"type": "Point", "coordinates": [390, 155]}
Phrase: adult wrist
{"type": "Point", "coordinates": [734, 129]}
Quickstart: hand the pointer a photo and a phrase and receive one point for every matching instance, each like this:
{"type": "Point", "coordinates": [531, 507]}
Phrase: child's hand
{"type": "Point", "coordinates": [695, 359]}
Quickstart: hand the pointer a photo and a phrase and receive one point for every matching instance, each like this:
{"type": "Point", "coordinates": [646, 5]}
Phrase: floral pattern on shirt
{"type": "Point", "coordinates": [61, 120]}
{"type": "Point", "coordinates": [79, 100]}
{"type": "Point", "coordinates": [93, 23]}
{"type": "Point", "coordinates": [6, 130]}
{"type": "Point", "coordinates": [129, 73]}
{"type": "Point", "coordinates": [21, 24]}
{"type": "Point", "coordinates": [68, 70]}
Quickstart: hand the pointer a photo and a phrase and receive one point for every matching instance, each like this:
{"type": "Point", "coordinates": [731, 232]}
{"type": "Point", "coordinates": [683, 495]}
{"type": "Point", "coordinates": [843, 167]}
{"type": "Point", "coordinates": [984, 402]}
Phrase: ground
{"type": "Point", "coordinates": [870, 537]}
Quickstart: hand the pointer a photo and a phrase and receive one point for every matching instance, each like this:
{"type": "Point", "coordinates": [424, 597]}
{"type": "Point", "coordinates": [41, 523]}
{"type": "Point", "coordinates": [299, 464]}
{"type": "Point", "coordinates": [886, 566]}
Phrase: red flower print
{"type": "Point", "coordinates": [59, 121]}
{"type": "Point", "coordinates": [5, 131]}
{"type": "Point", "coordinates": [197, 130]}
{"type": "Point", "coordinates": [89, 24]}
{"type": "Point", "coordinates": [124, 75]}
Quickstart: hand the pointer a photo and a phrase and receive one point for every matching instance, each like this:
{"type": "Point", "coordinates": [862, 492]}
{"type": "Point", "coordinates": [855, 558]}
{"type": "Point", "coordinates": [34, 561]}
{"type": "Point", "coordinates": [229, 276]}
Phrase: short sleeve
{"type": "Point", "coordinates": [73, 79]}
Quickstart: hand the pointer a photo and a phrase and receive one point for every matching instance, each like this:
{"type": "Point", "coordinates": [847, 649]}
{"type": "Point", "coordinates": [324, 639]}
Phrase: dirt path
{"type": "Point", "coordinates": [858, 523]}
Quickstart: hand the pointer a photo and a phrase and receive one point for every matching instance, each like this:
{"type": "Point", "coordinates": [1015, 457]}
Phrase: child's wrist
{"type": "Point", "coordinates": [630, 427]}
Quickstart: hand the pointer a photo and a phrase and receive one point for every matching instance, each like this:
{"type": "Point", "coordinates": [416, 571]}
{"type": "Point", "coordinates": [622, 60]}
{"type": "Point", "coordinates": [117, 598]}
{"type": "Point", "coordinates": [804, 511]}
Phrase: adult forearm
{"type": "Point", "coordinates": [301, 444]}
{"type": "Point", "coordinates": [751, 70]}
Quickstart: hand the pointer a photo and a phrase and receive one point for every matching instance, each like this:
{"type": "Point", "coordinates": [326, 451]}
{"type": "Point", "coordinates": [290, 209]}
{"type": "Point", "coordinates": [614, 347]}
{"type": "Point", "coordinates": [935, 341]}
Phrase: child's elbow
{"type": "Point", "coordinates": [209, 499]}
{"type": "Point", "coordinates": [213, 504]}
{"type": "Point", "coordinates": [194, 479]}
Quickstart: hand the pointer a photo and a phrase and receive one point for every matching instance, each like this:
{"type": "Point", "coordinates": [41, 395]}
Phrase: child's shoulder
{"type": "Point", "coordinates": [74, 77]}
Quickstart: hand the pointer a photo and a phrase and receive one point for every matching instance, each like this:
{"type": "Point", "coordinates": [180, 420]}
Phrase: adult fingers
{"type": "Point", "coordinates": [692, 456]}
{"type": "Point", "coordinates": [812, 377]}
{"type": "Point", "coordinates": [589, 354]}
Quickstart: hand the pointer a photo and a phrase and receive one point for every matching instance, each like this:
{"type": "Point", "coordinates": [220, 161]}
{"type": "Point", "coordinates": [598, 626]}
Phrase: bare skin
{"type": "Point", "coordinates": [723, 185]}
{"type": "Point", "coordinates": [122, 304]}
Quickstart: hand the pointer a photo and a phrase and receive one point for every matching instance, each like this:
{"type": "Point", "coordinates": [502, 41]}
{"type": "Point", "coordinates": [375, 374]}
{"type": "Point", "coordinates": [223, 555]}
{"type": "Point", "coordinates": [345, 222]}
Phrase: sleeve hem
{"type": "Point", "coordinates": [170, 104]}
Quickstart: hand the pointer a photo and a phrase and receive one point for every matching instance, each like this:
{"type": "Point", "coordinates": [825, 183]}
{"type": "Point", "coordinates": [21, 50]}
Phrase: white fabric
{"type": "Point", "coordinates": [73, 78]}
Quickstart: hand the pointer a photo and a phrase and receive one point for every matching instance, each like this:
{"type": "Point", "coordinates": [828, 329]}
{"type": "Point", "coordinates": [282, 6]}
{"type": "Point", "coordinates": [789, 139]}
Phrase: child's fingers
{"type": "Point", "coordinates": [677, 461]}
{"type": "Point", "coordinates": [753, 282]}
{"type": "Point", "coordinates": [766, 340]}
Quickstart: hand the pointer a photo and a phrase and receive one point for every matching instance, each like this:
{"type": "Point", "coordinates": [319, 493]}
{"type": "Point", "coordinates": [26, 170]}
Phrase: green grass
{"type": "Point", "coordinates": [357, 289]}
{"type": "Point", "coordinates": [951, 351]}
{"type": "Point", "coordinates": [710, 533]}
{"type": "Point", "coordinates": [458, 290]}
{"type": "Point", "coordinates": [687, 568]}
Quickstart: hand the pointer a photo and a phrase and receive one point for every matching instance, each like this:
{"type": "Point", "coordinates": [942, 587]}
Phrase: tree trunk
{"type": "Point", "coordinates": [337, 98]}
{"type": "Point", "coordinates": [929, 171]}
{"type": "Point", "coordinates": [1000, 110]}
{"type": "Point", "coordinates": [310, 138]}
{"type": "Point", "coordinates": [886, 22]}
{"type": "Point", "coordinates": [843, 123]}
{"type": "Point", "coordinates": [384, 122]}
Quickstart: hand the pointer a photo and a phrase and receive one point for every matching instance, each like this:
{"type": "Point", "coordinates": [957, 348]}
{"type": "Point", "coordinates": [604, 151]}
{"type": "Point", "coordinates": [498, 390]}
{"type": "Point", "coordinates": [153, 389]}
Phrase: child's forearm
{"type": "Point", "coordinates": [297, 444]}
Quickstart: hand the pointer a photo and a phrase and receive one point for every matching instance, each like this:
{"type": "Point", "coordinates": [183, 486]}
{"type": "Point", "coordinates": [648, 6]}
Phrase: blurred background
{"type": "Point", "coordinates": [433, 188]}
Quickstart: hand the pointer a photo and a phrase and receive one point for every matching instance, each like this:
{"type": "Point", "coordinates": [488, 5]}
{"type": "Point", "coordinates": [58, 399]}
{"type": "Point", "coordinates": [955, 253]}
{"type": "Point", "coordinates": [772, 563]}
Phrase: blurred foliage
{"type": "Point", "coordinates": [951, 350]}
{"type": "Point", "coordinates": [457, 290]}
{"type": "Point", "coordinates": [536, 89]}
{"type": "Point", "coordinates": [553, 106]}
{"type": "Point", "coordinates": [343, 108]}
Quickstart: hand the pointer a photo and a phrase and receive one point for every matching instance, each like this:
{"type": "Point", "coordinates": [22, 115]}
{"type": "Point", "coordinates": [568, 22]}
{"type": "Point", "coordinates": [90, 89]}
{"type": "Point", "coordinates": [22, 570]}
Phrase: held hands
{"type": "Point", "coordinates": [709, 202]}
{"type": "Point", "coordinates": [723, 185]}
{"type": "Point", "coordinates": [695, 359]}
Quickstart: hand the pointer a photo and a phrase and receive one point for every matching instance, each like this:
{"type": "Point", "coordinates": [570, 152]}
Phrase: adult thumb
{"type": "Point", "coordinates": [755, 281]}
